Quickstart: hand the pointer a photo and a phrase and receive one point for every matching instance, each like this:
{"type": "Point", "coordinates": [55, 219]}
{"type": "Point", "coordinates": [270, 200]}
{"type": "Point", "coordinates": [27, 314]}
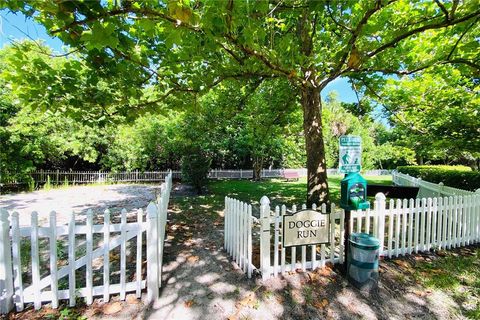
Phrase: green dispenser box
{"type": "Point", "coordinates": [354, 192]}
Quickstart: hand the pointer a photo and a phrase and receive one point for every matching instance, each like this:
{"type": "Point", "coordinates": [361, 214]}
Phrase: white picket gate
{"type": "Point", "coordinates": [402, 226]}
{"type": "Point", "coordinates": [99, 240]}
{"type": "Point", "coordinates": [426, 188]}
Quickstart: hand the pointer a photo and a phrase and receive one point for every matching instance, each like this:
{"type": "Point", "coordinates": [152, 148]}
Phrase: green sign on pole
{"type": "Point", "coordinates": [350, 154]}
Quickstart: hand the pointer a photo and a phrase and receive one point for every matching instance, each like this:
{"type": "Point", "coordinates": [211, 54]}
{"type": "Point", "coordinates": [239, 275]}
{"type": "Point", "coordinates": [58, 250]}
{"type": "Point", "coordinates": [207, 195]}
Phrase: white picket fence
{"type": "Point", "coordinates": [402, 226]}
{"type": "Point", "coordinates": [427, 189]}
{"type": "Point", "coordinates": [81, 177]}
{"type": "Point", "coordinates": [59, 177]}
{"type": "Point", "coordinates": [48, 270]}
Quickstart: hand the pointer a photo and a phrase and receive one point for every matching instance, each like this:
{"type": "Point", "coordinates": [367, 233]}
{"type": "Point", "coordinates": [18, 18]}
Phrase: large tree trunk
{"type": "Point", "coordinates": [317, 185]}
{"type": "Point", "coordinates": [257, 168]}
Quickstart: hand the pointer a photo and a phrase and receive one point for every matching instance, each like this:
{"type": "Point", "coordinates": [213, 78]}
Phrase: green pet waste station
{"type": "Point", "coordinates": [362, 268]}
{"type": "Point", "coordinates": [362, 248]}
{"type": "Point", "coordinates": [354, 192]}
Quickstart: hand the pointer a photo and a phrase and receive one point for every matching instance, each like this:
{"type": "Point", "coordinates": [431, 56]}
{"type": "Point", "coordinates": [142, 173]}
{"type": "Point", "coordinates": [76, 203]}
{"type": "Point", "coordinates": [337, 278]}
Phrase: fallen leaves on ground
{"type": "Point", "coordinates": [249, 301]}
{"type": "Point", "coordinates": [321, 304]}
{"type": "Point", "coordinates": [112, 308]}
{"type": "Point", "coordinates": [189, 303]}
{"type": "Point", "coordinates": [132, 299]}
{"type": "Point", "coordinates": [193, 259]}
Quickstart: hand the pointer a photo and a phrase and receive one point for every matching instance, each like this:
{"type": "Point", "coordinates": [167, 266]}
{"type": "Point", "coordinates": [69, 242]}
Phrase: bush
{"type": "Point", "coordinates": [195, 167]}
{"type": "Point", "coordinates": [461, 177]}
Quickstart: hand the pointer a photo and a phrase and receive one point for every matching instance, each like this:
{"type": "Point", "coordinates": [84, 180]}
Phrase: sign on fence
{"type": "Point", "coordinates": [305, 227]}
{"type": "Point", "coordinates": [350, 154]}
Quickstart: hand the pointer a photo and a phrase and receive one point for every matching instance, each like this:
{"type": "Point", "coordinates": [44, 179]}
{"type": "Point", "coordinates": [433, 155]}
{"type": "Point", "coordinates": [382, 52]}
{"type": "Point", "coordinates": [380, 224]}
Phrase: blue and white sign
{"type": "Point", "coordinates": [350, 154]}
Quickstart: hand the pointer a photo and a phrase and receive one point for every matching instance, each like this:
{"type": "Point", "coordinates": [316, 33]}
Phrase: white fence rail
{"type": "Point", "coordinates": [402, 226]}
{"type": "Point", "coordinates": [85, 268]}
{"type": "Point", "coordinates": [427, 189]}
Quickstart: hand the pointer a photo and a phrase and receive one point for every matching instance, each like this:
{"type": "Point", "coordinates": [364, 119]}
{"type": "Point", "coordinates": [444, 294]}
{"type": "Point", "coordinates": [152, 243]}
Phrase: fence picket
{"type": "Point", "coordinates": [106, 255]}
{"type": "Point", "coordinates": [391, 212]}
{"type": "Point", "coordinates": [417, 223]}
{"type": "Point", "coordinates": [35, 256]}
{"type": "Point", "coordinates": [398, 216]}
{"type": "Point", "coordinates": [152, 253]}
{"type": "Point", "coordinates": [451, 219]}
{"type": "Point", "coordinates": [249, 242]}
{"type": "Point", "coordinates": [332, 232]}
{"type": "Point", "coordinates": [439, 214]}
{"type": "Point", "coordinates": [458, 222]}
{"type": "Point", "coordinates": [276, 240]}
{"type": "Point", "coordinates": [265, 237]}
{"type": "Point", "coordinates": [123, 255]}
{"type": "Point", "coordinates": [53, 258]}
{"type": "Point", "coordinates": [411, 211]}
{"type": "Point", "coordinates": [138, 268]}
{"type": "Point", "coordinates": [428, 224]}
{"type": "Point", "coordinates": [313, 248]}
{"type": "Point", "coordinates": [89, 269]}
{"type": "Point", "coordinates": [342, 236]}
{"type": "Point", "coordinates": [245, 217]}
{"type": "Point", "coordinates": [71, 260]}
{"type": "Point", "coordinates": [404, 226]}
{"type": "Point", "coordinates": [17, 263]}
{"type": "Point", "coordinates": [423, 214]}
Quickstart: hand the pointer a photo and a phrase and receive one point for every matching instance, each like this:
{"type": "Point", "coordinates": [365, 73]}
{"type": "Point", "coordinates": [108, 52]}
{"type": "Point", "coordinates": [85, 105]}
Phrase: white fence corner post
{"type": "Point", "coordinates": [152, 253]}
{"type": "Point", "coordinates": [265, 237]}
{"type": "Point", "coordinates": [440, 189]}
{"type": "Point", "coordinates": [380, 200]}
{"type": "Point", "coordinates": [6, 273]}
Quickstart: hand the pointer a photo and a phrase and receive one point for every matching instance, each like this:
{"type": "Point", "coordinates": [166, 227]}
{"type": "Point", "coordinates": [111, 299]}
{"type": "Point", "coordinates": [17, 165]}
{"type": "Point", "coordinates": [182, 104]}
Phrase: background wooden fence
{"type": "Point", "coordinates": [402, 226]}
{"type": "Point", "coordinates": [52, 275]}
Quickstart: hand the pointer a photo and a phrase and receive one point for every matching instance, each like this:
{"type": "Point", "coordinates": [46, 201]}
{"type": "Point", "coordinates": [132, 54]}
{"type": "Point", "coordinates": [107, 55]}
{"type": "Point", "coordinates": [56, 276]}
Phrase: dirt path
{"type": "Point", "coordinates": [200, 282]}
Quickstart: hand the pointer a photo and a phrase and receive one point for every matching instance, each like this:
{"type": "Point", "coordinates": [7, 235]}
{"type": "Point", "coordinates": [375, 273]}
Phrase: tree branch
{"type": "Point", "coordinates": [460, 39]}
{"type": "Point", "coordinates": [355, 34]}
{"type": "Point", "coordinates": [444, 10]}
{"type": "Point", "coordinates": [412, 32]}
{"type": "Point", "coordinates": [330, 14]}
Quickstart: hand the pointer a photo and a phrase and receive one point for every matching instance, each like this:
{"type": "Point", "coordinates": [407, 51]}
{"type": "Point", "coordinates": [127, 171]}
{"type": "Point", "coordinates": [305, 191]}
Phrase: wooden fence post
{"type": "Point", "coordinates": [265, 237]}
{"type": "Point", "coordinates": [6, 275]}
{"type": "Point", "coordinates": [152, 253]}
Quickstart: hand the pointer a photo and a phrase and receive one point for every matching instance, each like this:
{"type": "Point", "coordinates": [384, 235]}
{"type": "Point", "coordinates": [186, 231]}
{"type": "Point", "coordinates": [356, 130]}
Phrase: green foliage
{"type": "Point", "coordinates": [461, 177]}
{"type": "Point", "coordinates": [195, 167]}
{"type": "Point", "coordinates": [31, 184]}
{"type": "Point", "coordinates": [436, 113]}
{"type": "Point", "coordinates": [47, 186]}
{"type": "Point", "coordinates": [337, 122]}
{"type": "Point", "coordinates": [152, 142]}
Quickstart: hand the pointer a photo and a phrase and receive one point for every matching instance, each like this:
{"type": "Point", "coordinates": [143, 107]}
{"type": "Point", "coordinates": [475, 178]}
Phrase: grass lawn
{"type": "Point", "coordinates": [457, 273]}
{"type": "Point", "coordinates": [280, 191]}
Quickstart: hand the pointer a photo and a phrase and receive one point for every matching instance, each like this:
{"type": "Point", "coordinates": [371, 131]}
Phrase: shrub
{"type": "Point", "coordinates": [461, 177]}
{"type": "Point", "coordinates": [195, 167]}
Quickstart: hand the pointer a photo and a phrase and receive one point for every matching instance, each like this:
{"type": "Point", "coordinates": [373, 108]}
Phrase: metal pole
{"type": "Point", "coordinates": [345, 240]}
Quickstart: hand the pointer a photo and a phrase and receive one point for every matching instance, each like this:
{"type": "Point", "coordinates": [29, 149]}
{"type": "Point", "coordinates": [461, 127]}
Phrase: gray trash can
{"type": "Point", "coordinates": [362, 267]}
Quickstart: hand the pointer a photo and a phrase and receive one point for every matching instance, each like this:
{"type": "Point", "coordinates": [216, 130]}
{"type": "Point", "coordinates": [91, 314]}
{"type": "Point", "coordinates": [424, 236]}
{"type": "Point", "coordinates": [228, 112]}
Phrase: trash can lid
{"type": "Point", "coordinates": [364, 241]}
